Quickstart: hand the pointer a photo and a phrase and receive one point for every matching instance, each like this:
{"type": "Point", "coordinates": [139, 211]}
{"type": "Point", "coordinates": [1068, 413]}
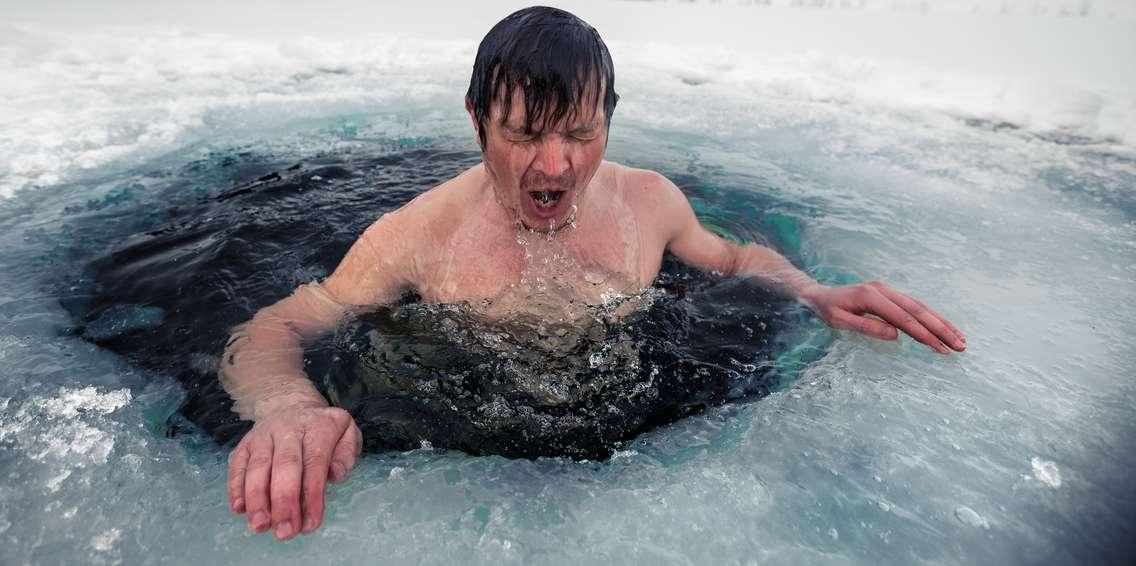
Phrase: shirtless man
{"type": "Point", "coordinates": [543, 220]}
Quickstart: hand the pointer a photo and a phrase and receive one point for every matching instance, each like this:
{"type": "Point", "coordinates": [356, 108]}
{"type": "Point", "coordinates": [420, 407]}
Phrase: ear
{"type": "Point", "coordinates": [473, 119]}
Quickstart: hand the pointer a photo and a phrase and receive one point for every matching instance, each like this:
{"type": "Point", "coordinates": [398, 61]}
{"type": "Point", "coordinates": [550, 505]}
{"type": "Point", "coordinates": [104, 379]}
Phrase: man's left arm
{"type": "Point", "coordinates": [842, 307]}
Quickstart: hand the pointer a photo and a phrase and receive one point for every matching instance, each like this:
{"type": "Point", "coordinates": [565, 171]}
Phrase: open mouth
{"type": "Point", "coordinates": [546, 199]}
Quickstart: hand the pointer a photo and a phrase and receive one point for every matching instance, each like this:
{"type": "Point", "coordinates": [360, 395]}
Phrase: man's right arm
{"type": "Point", "coordinates": [262, 368]}
{"type": "Point", "coordinates": [278, 471]}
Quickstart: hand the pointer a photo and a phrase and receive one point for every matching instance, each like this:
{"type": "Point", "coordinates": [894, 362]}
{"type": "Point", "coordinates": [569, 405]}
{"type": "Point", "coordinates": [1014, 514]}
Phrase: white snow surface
{"type": "Point", "coordinates": [87, 86]}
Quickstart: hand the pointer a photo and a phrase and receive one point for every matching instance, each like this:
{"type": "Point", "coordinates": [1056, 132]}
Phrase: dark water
{"type": "Point", "coordinates": [240, 230]}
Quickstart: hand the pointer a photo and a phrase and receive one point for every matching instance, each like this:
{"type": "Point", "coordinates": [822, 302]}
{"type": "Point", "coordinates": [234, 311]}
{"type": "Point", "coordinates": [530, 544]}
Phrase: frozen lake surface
{"type": "Point", "coordinates": [981, 159]}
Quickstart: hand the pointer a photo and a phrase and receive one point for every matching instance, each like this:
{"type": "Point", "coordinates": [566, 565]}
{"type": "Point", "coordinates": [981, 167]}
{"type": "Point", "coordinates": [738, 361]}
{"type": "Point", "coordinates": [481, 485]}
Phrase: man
{"type": "Point", "coordinates": [542, 217]}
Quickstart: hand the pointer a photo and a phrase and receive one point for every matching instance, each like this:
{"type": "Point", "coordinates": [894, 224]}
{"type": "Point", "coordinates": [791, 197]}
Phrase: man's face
{"type": "Point", "coordinates": [540, 176]}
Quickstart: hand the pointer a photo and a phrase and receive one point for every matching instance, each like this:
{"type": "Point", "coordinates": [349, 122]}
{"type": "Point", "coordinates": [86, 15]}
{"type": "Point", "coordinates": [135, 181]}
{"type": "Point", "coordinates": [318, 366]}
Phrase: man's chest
{"type": "Point", "coordinates": [514, 267]}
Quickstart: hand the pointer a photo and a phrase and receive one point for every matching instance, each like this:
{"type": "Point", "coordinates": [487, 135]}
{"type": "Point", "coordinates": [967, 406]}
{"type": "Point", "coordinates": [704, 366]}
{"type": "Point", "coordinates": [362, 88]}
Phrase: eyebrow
{"type": "Point", "coordinates": [520, 130]}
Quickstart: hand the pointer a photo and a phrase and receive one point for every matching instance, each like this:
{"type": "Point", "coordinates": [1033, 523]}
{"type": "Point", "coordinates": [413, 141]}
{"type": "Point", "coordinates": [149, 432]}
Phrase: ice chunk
{"type": "Point", "coordinates": [105, 541]}
{"type": "Point", "coordinates": [71, 402]}
{"type": "Point", "coordinates": [971, 518]}
{"type": "Point", "coordinates": [61, 426]}
{"type": "Point", "coordinates": [1046, 472]}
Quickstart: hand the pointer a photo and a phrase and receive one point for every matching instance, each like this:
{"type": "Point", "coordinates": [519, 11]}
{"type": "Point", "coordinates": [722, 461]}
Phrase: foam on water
{"type": "Point", "coordinates": [997, 186]}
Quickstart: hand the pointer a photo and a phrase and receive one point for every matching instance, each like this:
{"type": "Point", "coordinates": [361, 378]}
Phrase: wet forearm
{"type": "Point", "coordinates": [772, 271]}
{"type": "Point", "coordinates": [262, 369]}
{"type": "Point", "coordinates": [263, 364]}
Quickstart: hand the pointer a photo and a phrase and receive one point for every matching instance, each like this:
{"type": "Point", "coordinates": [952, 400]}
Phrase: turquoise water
{"type": "Point", "coordinates": [1018, 229]}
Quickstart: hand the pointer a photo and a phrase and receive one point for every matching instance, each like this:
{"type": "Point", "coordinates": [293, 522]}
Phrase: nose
{"type": "Point", "coordinates": [551, 156]}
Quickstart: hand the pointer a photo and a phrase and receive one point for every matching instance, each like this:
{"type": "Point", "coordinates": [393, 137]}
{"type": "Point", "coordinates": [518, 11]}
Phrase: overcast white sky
{"type": "Point", "coordinates": [1094, 50]}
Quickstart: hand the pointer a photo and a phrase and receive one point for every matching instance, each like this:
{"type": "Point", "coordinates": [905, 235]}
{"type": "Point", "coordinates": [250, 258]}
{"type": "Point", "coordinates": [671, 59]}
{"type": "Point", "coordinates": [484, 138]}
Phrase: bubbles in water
{"type": "Point", "coordinates": [611, 297]}
{"type": "Point", "coordinates": [532, 373]}
{"type": "Point", "coordinates": [123, 319]}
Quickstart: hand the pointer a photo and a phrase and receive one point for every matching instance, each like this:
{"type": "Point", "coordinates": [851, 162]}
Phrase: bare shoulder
{"type": "Point", "coordinates": [644, 187]}
{"type": "Point", "coordinates": [426, 218]}
{"type": "Point", "coordinates": [657, 201]}
{"type": "Point", "coordinates": [387, 257]}
{"type": "Point", "coordinates": [649, 192]}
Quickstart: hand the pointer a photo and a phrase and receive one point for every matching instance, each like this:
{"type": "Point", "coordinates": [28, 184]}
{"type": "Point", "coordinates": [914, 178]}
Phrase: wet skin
{"type": "Point", "coordinates": [484, 237]}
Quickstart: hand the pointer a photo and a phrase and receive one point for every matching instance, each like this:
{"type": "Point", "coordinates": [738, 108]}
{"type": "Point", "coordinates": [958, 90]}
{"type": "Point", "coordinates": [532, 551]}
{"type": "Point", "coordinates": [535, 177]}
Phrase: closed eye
{"type": "Point", "coordinates": [584, 134]}
{"type": "Point", "coordinates": [517, 137]}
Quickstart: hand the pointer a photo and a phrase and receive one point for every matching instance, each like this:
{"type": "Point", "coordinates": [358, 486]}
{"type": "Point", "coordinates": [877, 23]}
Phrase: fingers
{"type": "Point", "coordinates": [933, 321]}
{"type": "Point", "coordinates": [317, 458]}
{"type": "Point", "coordinates": [287, 472]}
{"type": "Point", "coordinates": [256, 482]}
{"type": "Point", "coordinates": [879, 304]}
{"type": "Point", "coordinates": [238, 466]}
{"type": "Point", "coordinates": [279, 472]}
{"type": "Point", "coordinates": [864, 325]}
{"type": "Point", "coordinates": [346, 450]}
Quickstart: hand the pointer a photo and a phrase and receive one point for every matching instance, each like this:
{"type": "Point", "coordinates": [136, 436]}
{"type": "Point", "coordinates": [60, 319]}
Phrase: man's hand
{"type": "Point", "coordinates": [844, 307]}
{"type": "Point", "coordinates": [278, 471]}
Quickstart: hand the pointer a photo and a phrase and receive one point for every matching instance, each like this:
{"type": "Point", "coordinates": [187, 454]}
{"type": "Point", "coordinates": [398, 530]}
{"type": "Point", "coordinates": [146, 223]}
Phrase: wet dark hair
{"type": "Point", "coordinates": [556, 59]}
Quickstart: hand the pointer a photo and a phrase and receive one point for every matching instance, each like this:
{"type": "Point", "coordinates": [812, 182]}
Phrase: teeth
{"type": "Point", "coordinates": [546, 199]}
